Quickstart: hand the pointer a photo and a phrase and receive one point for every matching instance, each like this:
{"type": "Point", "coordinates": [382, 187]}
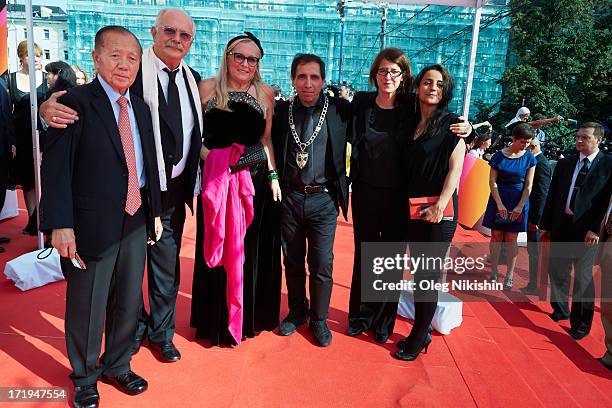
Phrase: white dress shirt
{"type": "Point", "coordinates": [113, 96]}
{"type": "Point", "coordinates": [186, 113]}
{"type": "Point", "coordinates": [579, 165]}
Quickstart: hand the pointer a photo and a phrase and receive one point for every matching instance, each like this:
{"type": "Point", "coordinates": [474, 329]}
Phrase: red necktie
{"type": "Point", "coordinates": [133, 200]}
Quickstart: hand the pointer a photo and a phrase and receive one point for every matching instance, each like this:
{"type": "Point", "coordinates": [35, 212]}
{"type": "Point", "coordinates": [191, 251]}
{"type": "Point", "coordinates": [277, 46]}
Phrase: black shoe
{"type": "Point", "coordinates": [128, 382]}
{"type": "Point", "coordinates": [138, 340]}
{"type": "Point", "coordinates": [405, 355]}
{"type": "Point", "coordinates": [86, 396]}
{"type": "Point", "coordinates": [577, 334]}
{"type": "Point", "coordinates": [404, 342]}
{"type": "Point", "coordinates": [166, 352]}
{"type": "Point", "coordinates": [381, 338]}
{"type": "Point", "coordinates": [354, 331]}
{"type": "Point", "coordinates": [556, 316]}
{"type": "Point", "coordinates": [4, 240]}
{"type": "Point", "coordinates": [291, 323]}
{"type": "Point", "coordinates": [321, 332]}
{"type": "Point", "coordinates": [603, 361]}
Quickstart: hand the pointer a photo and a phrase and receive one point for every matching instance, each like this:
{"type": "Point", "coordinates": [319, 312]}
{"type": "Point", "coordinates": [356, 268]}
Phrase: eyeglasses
{"type": "Point", "coordinates": [240, 58]}
{"type": "Point", "coordinates": [171, 32]}
{"type": "Point", "coordinates": [393, 72]}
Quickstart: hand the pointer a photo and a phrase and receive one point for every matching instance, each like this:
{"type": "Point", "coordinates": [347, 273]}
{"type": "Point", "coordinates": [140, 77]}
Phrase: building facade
{"type": "Point", "coordinates": [428, 34]}
{"type": "Point", "coordinates": [50, 33]}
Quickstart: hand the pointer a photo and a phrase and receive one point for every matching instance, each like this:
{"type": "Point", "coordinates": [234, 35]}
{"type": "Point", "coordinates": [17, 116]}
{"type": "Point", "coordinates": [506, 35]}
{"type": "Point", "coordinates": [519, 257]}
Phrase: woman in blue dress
{"type": "Point", "coordinates": [511, 177]}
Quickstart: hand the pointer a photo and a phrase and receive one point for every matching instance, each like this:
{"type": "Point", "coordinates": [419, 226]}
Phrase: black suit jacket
{"type": "Point", "coordinates": [337, 120]}
{"type": "Point", "coordinates": [541, 184]}
{"type": "Point", "coordinates": [169, 142]}
{"type": "Point", "coordinates": [85, 175]}
{"type": "Point", "coordinates": [592, 199]}
{"type": "Point", "coordinates": [7, 133]}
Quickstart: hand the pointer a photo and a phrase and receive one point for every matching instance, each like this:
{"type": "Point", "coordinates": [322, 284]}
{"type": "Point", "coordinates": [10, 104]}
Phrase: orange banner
{"type": "Point", "coordinates": [473, 190]}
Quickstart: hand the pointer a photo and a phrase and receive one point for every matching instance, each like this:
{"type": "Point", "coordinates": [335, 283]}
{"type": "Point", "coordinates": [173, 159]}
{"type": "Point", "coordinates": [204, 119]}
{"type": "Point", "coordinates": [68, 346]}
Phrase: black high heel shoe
{"type": "Point", "coordinates": [404, 342]}
{"type": "Point", "coordinates": [405, 355]}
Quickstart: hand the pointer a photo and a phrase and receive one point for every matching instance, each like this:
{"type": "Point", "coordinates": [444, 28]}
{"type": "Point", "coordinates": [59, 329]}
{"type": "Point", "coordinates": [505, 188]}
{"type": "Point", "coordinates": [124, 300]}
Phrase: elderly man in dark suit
{"type": "Point", "coordinates": [576, 205]}
{"type": "Point", "coordinates": [99, 186]}
{"type": "Point", "coordinates": [309, 135]}
{"type": "Point", "coordinates": [169, 88]}
{"type": "Point", "coordinates": [7, 146]}
{"type": "Point", "coordinates": [541, 183]}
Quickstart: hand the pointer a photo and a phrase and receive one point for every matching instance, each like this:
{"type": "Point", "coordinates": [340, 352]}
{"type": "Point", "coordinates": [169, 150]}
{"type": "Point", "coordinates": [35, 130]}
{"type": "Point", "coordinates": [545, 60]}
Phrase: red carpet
{"type": "Point", "coordinates": [504, 354]}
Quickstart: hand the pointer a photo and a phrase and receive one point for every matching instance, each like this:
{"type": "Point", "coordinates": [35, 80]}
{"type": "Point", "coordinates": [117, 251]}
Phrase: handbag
{"type": "Point", "coordinates": [418, 204]}
{"type": "Point", "coordinates": [252, 156]}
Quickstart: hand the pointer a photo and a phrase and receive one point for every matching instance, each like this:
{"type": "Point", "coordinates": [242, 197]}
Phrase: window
{"type": "Point", "coordinates": [65, 55]}
{"type": "Point", "coordinates": [25, 32]}
{"type": "Point", "coordinates": [46, 33]}
{"type": "Point", "coordinates": [47, 55]}
{"type": "Point", "coordinates": [65, 35]}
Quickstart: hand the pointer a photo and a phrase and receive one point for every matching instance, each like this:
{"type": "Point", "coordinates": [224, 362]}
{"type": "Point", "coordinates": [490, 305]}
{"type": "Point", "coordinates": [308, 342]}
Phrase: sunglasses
{"type": "Point", "coordinates": [171, 32]}
{"type": "Point", "coordinates": [240, 58]}
{"type": "Point", "coordinates": [393, 72]}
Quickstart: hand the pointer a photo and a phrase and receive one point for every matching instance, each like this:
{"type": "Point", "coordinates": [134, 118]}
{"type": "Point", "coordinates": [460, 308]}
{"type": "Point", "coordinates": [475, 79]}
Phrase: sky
{"type": "Point", "coordinates": [60, 3]}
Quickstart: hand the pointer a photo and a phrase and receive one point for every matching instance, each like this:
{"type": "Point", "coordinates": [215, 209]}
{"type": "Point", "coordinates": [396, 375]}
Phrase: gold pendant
{"type": "Point", "coordinates": [301, 159]}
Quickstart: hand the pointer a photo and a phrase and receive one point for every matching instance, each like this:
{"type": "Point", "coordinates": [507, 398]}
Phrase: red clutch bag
{"type": "Point", "coordinates": [418, 204]}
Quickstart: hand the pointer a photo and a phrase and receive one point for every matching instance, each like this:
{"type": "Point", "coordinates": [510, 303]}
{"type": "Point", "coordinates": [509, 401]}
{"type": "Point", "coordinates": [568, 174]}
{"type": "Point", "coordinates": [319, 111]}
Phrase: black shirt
{"type": "Point", "coordinates": [317, 170]}
{"type": "Point", "coordinates": [380, 157]}
{"type": "Point", "coordinates": [427, 159]}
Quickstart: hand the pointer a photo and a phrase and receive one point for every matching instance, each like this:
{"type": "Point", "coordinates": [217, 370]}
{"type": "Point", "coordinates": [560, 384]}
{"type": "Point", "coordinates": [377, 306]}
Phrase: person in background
{"type": "Point", "coordinates": [7, 146]}
{"type": "Point", "coordinates": [433, 157]}
{"type": "Point", "coordinates": [575, 208]}
{"type": "Point", "coordinates": [540, 120]}
{"type": "Point", "coordinates": [19, 88]}
{"type": "Point", "coordinates": [510, 181]}
{"type": "Point", "coordinates": [60, 77]}
{"type": "Point", "coordinates": [521, 116]}
{"type": "Point", "coordinates": [480, 145]}
{"type": "Point", "coordinates": [81, 75]}
{"type": "Point", "coordinates": [541, 182]}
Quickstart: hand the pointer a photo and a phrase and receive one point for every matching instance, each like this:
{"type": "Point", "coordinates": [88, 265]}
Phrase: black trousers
{"type": "Point", "coordinates": [163, 268]}
{"type": "Point", "coordinates": [110, 288]}
{"type": "Point", "coordinates": [308, 218]}
{"type": "Point", "coordinates": [533, 249]}
{"type": "Point", "coordinates": [567, 250]}
{"type": "Point", "coordinates": [379, 215]}
{"type": "Point", "coordinates": [428, 240]}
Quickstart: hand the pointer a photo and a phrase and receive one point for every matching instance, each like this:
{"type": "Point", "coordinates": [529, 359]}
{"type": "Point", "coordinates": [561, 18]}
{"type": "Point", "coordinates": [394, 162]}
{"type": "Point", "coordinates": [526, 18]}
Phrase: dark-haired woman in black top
{"type": "Point", "coordinates": [434, 159]}
{"type": "Point", "coordinates": [381, 122]}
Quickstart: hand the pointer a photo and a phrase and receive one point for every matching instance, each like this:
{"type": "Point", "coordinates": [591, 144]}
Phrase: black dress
{"type": "Point", "coordinates": [427, 166]}
{"type": "Point", "coordinates": [378, 200]}
{"type": "Point", "coordinates": [23, 164]}
{"type": "Point", "coordinates": [262, 267]}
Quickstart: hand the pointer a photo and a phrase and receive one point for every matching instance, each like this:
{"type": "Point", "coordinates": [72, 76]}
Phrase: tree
{"type": "Point", "coordinates": [560, 59]}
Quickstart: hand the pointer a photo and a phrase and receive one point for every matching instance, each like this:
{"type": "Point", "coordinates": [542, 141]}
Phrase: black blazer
{"type": "Point", "coordinates": [539, 191]}
{"type": "Point", "coordinates": [337, 120]}
{"type": "Point", "coordinates": [85, 175]}
{"type": "Point", "coordinates": [169, 141]}
{"type": "Point", "coordinates": [592, 199]}
{"type": "Point", "coordinates": [7, 132]}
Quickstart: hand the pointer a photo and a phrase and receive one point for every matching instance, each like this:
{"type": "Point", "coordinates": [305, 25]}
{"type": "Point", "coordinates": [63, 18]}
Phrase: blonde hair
{"type": "Point", "coordinates": [221, 89]}
{"type": "Point", "coordinates": [22, 49]}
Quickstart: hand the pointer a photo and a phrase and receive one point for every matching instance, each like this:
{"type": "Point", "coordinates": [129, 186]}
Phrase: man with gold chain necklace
{"type": "Point", "coordinates": [309, 135]}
